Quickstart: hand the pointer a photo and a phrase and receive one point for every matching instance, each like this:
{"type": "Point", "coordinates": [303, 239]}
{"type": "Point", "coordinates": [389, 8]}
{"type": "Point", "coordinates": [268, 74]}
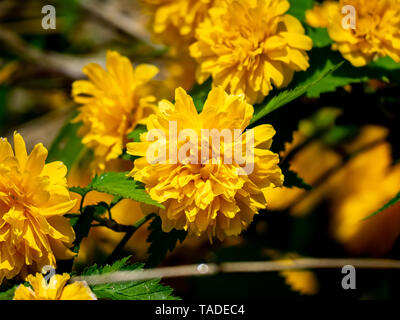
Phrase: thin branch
{"type": "Point", "coordinates": [128, 23]}
{"type": "Point", "coordinates": [129, 235]}
{"type": "Point", "coordinates": [67, 66]}
{"type": "Point", "coordinates": [114, 226]}
{"type": "Point", "coordinates": [238, 267]}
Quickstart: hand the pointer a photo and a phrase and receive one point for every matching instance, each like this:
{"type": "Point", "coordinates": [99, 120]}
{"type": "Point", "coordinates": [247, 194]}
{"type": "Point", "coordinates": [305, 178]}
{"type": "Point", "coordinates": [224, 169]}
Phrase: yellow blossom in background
{"type": "Point", "coordinates": [56, 289]}
{"type": "Point", "coordinates": [114, 102]}
{"type": "Point", "coordinates": [376, 34]}
{"type": "Point", "coordinates": [320, 15]}
{"type": "Point", "coordinates": [178, 71]}
{"type": "Point", "coordinates": [7, 71]}
{"type": "Point", "coordinates": [371, 182]}
{"type": "Point", "coordinates": [249, 46]}
{"type": "Point", "coordinates": [33, 199]}
{"type": "Point", "coordinates": [174, 21]}
{"type": "Point", "coordinates": [302, 281]}
{"type": "Point", "coordinates": [353, 192]}
{"type": "Point", "coordinates": [208, 198]}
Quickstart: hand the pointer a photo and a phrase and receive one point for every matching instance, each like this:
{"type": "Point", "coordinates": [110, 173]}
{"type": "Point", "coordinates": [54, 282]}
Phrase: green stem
{"type": "Point", "coordinates": [81, 205]}
{"type": "Point", "coordinates": [127, 237]}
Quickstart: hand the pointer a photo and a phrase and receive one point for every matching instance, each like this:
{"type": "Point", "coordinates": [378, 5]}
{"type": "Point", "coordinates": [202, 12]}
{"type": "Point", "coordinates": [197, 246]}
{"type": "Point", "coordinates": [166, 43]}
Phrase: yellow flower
{"type": "Point", "coordinates": [208, 197]}
{"type": "Point", "coordinates": [174, 21]}
{"type": "Point", "coordinates": [114, 102]}
{"type": "Point", "coordinates": [7, 71]}
{"type": "Point", "coordinates": [355, 191]}
{"type": "Point", "coordinates": [302, 281]}
{"type": "Point", "coordinates": [177, 71]}
{"type": "Point", "coordinates": [56, 289]}
{"type": "Point", "coordinates": [377, 32]}
{"type": "Point", "coordinates": [246, 46]}
{"type": "Point", "coordinates": [321, 14]}
{"type": "Point", "coordinates": [371, 182]}
{"type": "Point", "coordinates": [33, 199]}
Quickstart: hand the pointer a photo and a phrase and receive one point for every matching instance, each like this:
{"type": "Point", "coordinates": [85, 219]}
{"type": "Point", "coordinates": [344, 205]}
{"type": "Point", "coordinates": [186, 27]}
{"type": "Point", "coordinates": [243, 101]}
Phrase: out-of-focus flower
{"type": "Point", "coordinates": [7, 71]}
{"type": "Point", "coordinates": [354, 192]}
{"type": "Point", "coordinates": [33, 199]}
{"type": "Point", "coordinates": [320, 15]}
{"type": "Point", "coordinates": [114, 102]}
{"type": "Point", "coordinates": [206, 197]}
{"type": "Point", "coordinates": [174, 21]}
{"type": "Point", "coordinates": [246, 46]}
{"type": "Point", "coordinates": [376, 33]}
{"type": "Point", "coordinates": [178, 71]}
{"type": "Point", "coordinates": [370, 183]}
{"type": "Point", "coordinates": [302, 281]}
{"type": "Point", "coordinates": [56, 289]}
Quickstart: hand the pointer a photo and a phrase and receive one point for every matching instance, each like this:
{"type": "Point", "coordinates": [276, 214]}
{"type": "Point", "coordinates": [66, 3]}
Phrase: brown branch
{"type": "Point", "coordinates": [69, 67]}
{"type": "Point", "coordinates": [238, 267]}
{"type": "Point", "coordinates": [131, 23]}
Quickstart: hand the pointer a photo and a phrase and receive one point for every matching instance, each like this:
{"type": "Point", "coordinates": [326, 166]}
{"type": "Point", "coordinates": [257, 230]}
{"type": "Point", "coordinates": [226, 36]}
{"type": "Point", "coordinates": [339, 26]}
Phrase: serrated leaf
{"type": "Point", "coordinates": [389, 204]}
{"type": "Point", "coordinates": [80, 191]}
{"type": "Point", "coordinates": [289, 95]}
{"type": "Point", "coordinates": [130, 290]}
{"type": "Point", "coordinates": [292, 179]}
{"type": "Point", "coordinates": [162, 242]}
{"type": "Point", "coordinates": [119, 184]}
{"type": "Point", "coordinates": [323, 59]}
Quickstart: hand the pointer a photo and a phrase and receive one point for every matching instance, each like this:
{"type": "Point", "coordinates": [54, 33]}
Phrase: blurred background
{"type": "Point", "coordinates": [345, 145]}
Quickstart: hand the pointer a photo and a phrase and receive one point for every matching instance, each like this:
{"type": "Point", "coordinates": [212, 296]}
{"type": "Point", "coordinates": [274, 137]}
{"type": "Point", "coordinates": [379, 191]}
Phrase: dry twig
{"type": "Point", "coordinates": [238, 267]}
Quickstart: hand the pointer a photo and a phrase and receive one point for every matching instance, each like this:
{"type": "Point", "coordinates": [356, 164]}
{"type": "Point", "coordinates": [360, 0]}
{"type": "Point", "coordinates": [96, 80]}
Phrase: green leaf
{"type": "Point", "coordinates": [389, 204]}
{"type": "Point", "coordinates": [130, 290]}
{"type": "Point", "coordinates": [298, 8]}
{"type": "Point", "coordinates": [292, 179]}
{"type": "Point", "coordinates": [324, 59]}
{"type": "Point", "coordinates": [385, 69]}
{"type": "Point", "coordinates": [162, 242]}
{"type": "Point", "coordinates": [289, 95]}
{"type": "Point", "coordinates": [135, 134]}
{"type": "Point", "coordinates": [81, 191]}
{"type": "Point", "coordinates": [200, 93]}
{"type": "Point", "coordinates": [319, 36]}
{"type": "Point", "coordinates": [119, 184]}
{"type": "Point", "coordinates": [67, 147]}
{"type": "Point", "coordinates": [9, 294]}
